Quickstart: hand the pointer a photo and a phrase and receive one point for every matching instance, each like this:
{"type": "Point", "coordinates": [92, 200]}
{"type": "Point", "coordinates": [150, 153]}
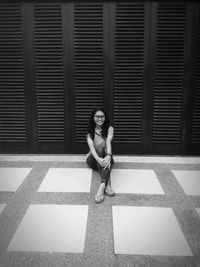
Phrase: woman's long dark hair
{"type": "Point", "coordinates": [91, 126]}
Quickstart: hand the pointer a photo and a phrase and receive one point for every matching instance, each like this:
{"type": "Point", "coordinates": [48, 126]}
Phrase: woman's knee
{"type": "Point", "coordinates": [91, 162]}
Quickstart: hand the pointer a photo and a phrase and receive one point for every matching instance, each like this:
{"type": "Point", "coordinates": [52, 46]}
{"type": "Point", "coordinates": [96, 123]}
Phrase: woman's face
{"type": "Point", "coordinates": [99, 118]}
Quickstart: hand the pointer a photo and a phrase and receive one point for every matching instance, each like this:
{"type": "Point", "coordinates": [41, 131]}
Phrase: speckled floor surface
{"type": "Point", "coordinates": [48, 216]}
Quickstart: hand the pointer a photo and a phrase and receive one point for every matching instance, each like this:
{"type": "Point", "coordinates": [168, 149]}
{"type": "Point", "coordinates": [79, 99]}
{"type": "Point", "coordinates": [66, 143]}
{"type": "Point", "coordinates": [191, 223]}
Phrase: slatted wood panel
{"type": "Point", "coordinates": [98, 70]}
{"type": "Point", "coordinates": [49, 72]}
{"type": "Point", "coordinates": [196, 96]}
{"type": "Point", "coordinates": [128, 77]}
{"type": "Point", "coordinates": [169, 68]}
{"type": "Point", "coordinates": [88, 63]}
{"type": "Point", "coordinates": [12, 99]}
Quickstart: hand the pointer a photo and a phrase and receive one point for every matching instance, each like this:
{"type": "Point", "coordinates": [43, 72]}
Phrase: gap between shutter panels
{"type": "Point", "coordinates": [196, 100]}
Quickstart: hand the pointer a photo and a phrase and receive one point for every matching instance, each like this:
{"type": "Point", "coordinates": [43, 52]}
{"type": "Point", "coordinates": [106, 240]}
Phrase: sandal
{"type": "Point", "coordinates": [99, 199]}
{"type": "Point", "coordinates": [109, 192]}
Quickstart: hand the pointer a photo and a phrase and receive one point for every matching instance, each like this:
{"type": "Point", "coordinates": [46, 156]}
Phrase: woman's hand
{"type": "Point", "coordinates": [107, 162]}
{"type": "Point", "coordinates": [103, 163]}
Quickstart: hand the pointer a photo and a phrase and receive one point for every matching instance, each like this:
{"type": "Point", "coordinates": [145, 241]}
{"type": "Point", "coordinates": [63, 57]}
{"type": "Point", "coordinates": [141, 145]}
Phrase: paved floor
{"type": "Point", "coordinates": [48, 216]}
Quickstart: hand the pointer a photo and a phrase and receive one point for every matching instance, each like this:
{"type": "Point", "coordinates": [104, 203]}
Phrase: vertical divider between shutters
{"type": "Point", "coordinates": [193, 144]}
{"type": "Point", "coordinates": [186, 131]}
{"type": "Point", "coordinates": [108, 57]}
{"type": "Point", "coordinates": [29, 75]}
{"type": "Point", "coordinates": [188, 134]}
{"type": "Point", "coordinates": [151, 71]}
{"type": "Point", "coordinates": [67, 32]}
{"type": "Point", "coordinates": [105, 56]}
{"type": "Point", "coordinates": [148, 86]}
{"type": "Point", "coordinates": [111, 44]}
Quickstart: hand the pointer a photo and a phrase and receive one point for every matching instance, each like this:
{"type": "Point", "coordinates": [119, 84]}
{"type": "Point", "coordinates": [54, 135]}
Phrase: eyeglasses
{"type": "Point", "coordinates": [99, 116]}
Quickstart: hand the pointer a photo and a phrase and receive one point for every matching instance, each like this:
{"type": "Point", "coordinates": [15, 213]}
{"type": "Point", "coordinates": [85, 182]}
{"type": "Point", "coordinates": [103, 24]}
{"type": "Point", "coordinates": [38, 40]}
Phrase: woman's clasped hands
{"type": "Point", "coordinates": [105, 162]}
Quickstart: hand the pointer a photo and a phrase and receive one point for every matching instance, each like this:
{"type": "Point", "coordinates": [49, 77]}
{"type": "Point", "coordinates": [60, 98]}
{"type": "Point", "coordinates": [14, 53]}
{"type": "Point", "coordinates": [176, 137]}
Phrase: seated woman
{"type": "Point", "coordinates": [99, 138]}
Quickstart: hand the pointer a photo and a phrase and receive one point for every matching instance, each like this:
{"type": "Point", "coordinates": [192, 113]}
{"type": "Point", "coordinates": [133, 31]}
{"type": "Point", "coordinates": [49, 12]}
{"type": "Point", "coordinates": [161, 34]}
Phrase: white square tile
{"type": "Point", "coordinates": [67, 180]}
{"type": "Point", "coordinates": [148, 231]}
{"type": "Point", "coordinates": [11, 178]}
{"type": "Point", "coordinates": [52, 228]}
{"type": "Point", "coordinates": [2, 206]}
{"type": "Point", "coordinates": [189, 181]}
{"type": "Point", "coordinates": [135, 181]}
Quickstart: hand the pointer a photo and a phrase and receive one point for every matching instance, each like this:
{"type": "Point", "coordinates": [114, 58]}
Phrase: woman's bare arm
{"type": "Point", "coordinates": [107, 159]}
{"type": "Point", "coordinates": [93, 151]}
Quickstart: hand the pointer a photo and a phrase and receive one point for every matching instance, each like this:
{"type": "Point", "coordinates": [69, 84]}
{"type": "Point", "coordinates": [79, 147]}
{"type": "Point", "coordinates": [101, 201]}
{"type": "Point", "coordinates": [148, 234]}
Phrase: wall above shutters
{"type": "Point", "coordinates": [12, 95]}
{"type": "Point", "coordinates": [88, 64]}
{"type": "Point", "coordinates": [128, 73]}
{"type": "Point", "coordinates": [49, 72]}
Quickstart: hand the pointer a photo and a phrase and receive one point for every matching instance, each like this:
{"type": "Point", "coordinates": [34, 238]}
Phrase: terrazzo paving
{"type": "Point", "coordinates": [48, 216]}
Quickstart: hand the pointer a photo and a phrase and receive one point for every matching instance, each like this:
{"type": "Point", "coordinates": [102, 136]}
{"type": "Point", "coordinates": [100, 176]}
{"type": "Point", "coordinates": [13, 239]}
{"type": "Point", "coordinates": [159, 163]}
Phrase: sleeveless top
{"type": "Point", "coordinates": [99, 141]}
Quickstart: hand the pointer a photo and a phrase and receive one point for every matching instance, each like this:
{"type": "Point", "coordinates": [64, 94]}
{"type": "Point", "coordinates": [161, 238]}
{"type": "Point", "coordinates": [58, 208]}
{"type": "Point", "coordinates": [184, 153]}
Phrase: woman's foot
{"type": "Point", "coordinates": [109, 192]}
{"type": "Point", "coordinates": [99, 197]}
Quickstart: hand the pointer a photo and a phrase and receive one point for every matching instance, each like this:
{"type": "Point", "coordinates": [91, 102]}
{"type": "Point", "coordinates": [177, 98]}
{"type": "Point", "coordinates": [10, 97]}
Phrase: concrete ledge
{"type": "Point", "coordinates": [117, 158]}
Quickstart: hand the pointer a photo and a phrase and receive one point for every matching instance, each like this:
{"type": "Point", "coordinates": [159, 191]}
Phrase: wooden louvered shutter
{"type": "Point", "coordinates": [88, 65]}
{"type": "Point", "coordinates": [49, 73]}
{"type": "Point", "coordinates": [12, 99]}
{"type": "Point", "coordinates": [195, 129]}
{"type": "Point", "coordinates": [128, 75]}
{"type": "Point", "coordinates": [168, 77]}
